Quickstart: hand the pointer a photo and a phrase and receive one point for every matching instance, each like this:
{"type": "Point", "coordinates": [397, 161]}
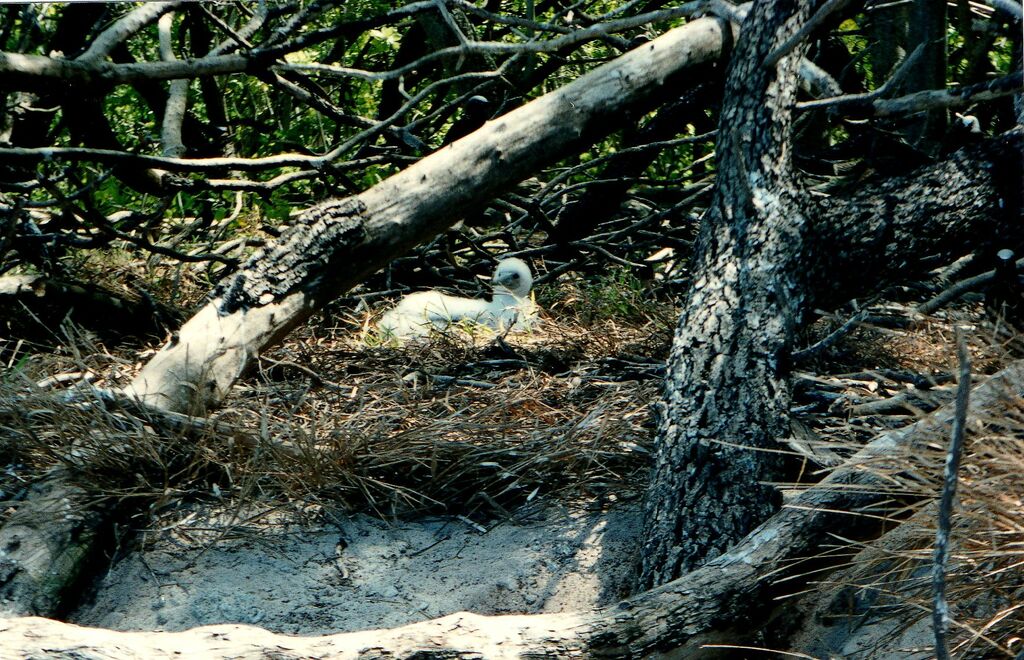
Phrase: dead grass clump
{"type": "Point", "coordinates": [111, 455]}
{"type": "Point", "coordinates": [456, 425]}
{"type": "Point", "coordinates": [888, 583]}
{"type": "Point", "coordinates": [490, 451]}
{"type": "Point", "coordinates": [451, 425]}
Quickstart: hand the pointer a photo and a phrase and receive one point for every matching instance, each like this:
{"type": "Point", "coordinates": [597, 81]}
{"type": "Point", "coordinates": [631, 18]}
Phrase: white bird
{"type": "Point", "coordinates": [510, 306]}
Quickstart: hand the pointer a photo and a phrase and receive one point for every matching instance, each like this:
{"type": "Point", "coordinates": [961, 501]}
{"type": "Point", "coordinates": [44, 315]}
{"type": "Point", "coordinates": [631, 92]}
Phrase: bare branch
{"type": "Point", "coordinates": [177, 96]}
{"type": "Point", "coordinates": [954, 97]}
{"type": "Point", "coordinates": [815, 349]}
{"type": "Point", "coordinates": [498, 47]}
{"type": "Point", "coordinates": [960, 288]}
{"type": "Point", "coordinates": [31, 69]}
{"type": "Point", "coordinates": [125, 27]}
{"type": "Point", "coordinates": [111, 156]}
{"type": "Point", "coordinates": [940, 614]}
{"type": "Point", "coordinates": [812, 24]}
{"type": "Point", "coordinates": [240, 37]}
{"type": "Point", "coordinates": [23, 71]}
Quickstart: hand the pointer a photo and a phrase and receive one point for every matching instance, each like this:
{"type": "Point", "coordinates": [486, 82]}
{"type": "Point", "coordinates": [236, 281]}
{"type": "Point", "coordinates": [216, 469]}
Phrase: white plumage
{"type": "Point", "coordinates": [510, 306]}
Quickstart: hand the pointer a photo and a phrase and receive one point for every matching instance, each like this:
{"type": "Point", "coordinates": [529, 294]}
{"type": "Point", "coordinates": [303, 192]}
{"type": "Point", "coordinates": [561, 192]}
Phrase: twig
{"type": "Point", "coordinates": [465, 382]}
{"type": "Point", "coordinates": [911, 401]}
{"type": "Point", "coordinates": [829, 8]}
{"type": "Point", "coordinates": [837, 334]}
{"type": "Point", "coordinates": [317, 378]}
{"type": "Point", "coordinates": [870, 105]}
{"type": "Point", "coordinates": [960, 288]}
{"type": "Point", "coordinates": [63, 379]}
{"type": "Point", "coordinates": [940, 613]}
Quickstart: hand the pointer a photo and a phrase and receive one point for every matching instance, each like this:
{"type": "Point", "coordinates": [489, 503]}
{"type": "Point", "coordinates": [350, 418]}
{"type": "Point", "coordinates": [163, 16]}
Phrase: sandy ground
{"type": "Point", "coordinates": [362, 572]}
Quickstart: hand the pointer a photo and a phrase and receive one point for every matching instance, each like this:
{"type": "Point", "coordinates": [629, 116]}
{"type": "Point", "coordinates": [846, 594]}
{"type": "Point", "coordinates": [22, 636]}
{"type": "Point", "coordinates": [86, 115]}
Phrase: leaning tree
{"type": "Point", "coordinates": [773, 243]}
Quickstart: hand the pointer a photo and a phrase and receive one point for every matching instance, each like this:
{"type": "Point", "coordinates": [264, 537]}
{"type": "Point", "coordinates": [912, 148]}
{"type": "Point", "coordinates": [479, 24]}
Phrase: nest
{"type": "Point", "coordinates": [456, 425]}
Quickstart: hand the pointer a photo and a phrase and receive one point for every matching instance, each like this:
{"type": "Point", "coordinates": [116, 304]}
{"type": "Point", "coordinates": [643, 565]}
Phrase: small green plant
{"type": "Point", "coordinates": [615, 294]}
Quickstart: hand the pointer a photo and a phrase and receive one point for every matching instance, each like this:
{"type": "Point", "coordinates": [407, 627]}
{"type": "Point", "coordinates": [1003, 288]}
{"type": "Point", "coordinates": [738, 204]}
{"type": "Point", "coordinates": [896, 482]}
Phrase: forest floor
{"type": "Point", "coordinates": [370, 486]}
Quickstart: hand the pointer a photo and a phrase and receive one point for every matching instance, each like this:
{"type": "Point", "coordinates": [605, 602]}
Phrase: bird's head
{"type": "Point", "coordinates": [513, 274]}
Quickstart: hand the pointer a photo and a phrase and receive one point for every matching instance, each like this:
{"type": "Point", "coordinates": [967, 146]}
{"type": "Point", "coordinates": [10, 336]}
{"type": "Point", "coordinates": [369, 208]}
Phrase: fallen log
{"type": "Point", "coordinates": [713, 604]}
{"type": "Point", "coordinates": [336, 244]}
{"type": "Point", "coordinates": [44, 546]}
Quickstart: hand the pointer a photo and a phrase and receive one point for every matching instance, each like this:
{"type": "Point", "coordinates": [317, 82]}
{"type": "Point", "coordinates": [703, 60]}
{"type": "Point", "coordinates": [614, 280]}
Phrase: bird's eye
{"type": "Point", "coordinates": [515, 276]}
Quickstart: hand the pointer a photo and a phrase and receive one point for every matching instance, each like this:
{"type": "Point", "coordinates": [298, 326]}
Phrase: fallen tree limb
{"type": "Point", "coordinates": [44, 547]}
{"type": "Point", "coordinates": [338, 243]}
{"type": "Point", "coordinates": [706, 606]}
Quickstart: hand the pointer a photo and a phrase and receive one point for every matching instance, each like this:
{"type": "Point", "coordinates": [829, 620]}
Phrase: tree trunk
{"type": "Point", "coordinates": [714, 604]}
{"type": "Point", "coordinates": [766, 252]}
{"type": "Point", "coordinates": [927, 28]}
{"type": "Point", "coordinates": [338, 243]}
{"type": "Point", "coordinates": [726, 394]}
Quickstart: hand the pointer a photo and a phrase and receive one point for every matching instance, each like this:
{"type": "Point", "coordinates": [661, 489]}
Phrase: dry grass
{"type": "Point", "coordinates": [479, 426]}
{"type": "Point", "coordinates": [455, 425]}
{"type": "Point", "coordinates": [889, 579]}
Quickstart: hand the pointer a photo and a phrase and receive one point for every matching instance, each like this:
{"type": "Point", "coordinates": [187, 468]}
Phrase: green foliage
{"type": "Point", "coordinates": [615, 294]}
{"type": "Point", "coordinates": [1001, 55]}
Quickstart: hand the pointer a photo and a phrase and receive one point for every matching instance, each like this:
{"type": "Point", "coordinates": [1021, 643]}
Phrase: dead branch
{"type": "Point", "coordinates": [125, 27]}
{"type": "Point", "coordinates": [177, 95]}
{"type": "Point", "coordinates": [830, 340]}
{"type": "Point", "coordinates": [960, 288]}
{"type": "Point", "coordinates": [870, 105]}
{"type": "Point", "coordinates": [940, 613]}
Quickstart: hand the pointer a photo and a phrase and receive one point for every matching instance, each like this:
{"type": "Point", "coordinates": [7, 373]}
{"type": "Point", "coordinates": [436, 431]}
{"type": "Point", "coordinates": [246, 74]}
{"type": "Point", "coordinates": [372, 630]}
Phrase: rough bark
{"type": "Point", "coordinates": [713, 604]}
{"type": "Point", "coordinates": [336, 244]}
{"type": "Point", "coordinates": [726, 394]}
{"type": "Point", "coordinates": [768, 253]}
{"type": "Point", "coordinates": [890, 229]}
